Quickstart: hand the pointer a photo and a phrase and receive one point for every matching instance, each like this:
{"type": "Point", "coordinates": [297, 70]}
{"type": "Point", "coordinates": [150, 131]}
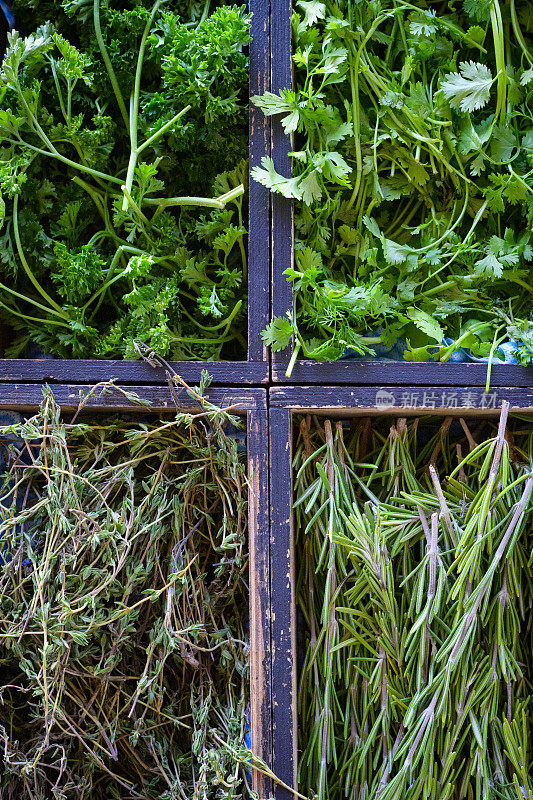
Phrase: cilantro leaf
{"type": "Point", "coordinates": [468, 89]}
{"type": "Point", "coordinates": [278, 333]}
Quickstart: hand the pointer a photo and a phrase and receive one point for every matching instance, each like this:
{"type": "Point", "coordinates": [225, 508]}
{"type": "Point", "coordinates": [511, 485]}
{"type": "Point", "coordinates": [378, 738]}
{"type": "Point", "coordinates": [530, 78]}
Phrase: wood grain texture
{"type": "Point", "coordinates": [259, 572]}
{"type": "Point", "coordinates": [466, 400]}
{"type": "Point", "coordinates": [373, 373]}
{"type": "Point", "coordinates": [283, 624]}
{"type": "Point", "coordinates": [227, 373]}
{"type": "Point", "coordinates": [282, 209]}
{"type": "Point", "coordinates": [28, 396]}
{"type": "Point", "coordinates": [259, 196]}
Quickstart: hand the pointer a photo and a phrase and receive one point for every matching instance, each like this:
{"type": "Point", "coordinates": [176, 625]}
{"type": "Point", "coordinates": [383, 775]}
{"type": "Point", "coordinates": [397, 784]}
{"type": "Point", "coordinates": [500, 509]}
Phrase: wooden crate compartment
{"type": "Point", "coordinates": [358, 371]}
{"type": "Point", "coordinates": [251, 406]}
{"type": "Point", "coordinates": [254, 369]}
{"type": "Point", "coordinates": [336, 402]}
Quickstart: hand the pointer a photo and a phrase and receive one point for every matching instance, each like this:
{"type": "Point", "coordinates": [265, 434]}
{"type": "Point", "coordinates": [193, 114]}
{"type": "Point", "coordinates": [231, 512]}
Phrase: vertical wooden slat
{"type": "Point", "coordinates": [282, 210]}
{"type": "Point", "coordinates": [283, 624]}
{"type": "Point", "coordinates": [259, 550]}
{"type": "Point", "coordinates": [258, 196]}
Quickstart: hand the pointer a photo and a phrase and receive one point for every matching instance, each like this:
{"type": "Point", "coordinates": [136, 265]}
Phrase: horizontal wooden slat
{"type": "Point", "coordinates": [409, 399]}
{"type": "Point", "coordinates": [23, 396]}
{"type": "Point", "coordinates": [375, 373]}
{"type": "Point", "coordinates": [227, 373]}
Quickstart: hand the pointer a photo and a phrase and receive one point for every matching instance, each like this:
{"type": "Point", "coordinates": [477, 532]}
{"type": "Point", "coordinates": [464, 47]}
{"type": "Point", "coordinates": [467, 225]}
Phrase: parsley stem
{"type": "Point", "coordinates": [224, 323]}
{"type": "Point", "coordinates": [43, 322]}
{"type": "Point", "coordinates": [30, 300]}
{"type": "Point", "coordinates": [205, 202]}
{"type": "Point", "coordinates": [168, 202]}
{"type": "Point", "coordinates": [108, 64]}
{"type": "Point", "coordinates": [134, 106]}
{"type": "Point", "coordinates": [160, 131]}
{"type": "Point", "coordinates": [25, 264]}
{"type": "Point", "coordinates": [69, 163]}
{"type": "Point", "coordinates": [131, 202]}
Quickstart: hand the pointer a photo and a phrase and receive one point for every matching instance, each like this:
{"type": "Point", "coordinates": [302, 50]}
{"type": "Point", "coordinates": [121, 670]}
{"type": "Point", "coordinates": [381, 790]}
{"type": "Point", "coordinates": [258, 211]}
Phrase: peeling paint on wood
{"type": "Point", "coordinates": [259, 572]}
{"type": "Point", "coordinates": [27, 396]}
{"type": "Point", "coordinates": [283, 624]}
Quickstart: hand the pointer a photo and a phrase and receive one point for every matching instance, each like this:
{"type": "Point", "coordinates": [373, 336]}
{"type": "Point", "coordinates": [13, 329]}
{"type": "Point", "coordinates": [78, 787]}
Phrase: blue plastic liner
{"type": "Point", "coordinates": [8, 13]}
{"type": "Point", "coordinates": [504, 353]}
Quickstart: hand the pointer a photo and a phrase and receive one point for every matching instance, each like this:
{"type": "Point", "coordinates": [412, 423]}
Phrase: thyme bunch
{"type": "Point", "coordinates": [123, 608]}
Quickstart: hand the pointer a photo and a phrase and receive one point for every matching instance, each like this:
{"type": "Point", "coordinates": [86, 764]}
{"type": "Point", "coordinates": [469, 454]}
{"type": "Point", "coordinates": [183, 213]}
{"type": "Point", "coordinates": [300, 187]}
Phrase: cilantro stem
{"type": "Point", "coordinates": [108, 64]}
{"type": "Point", "coordinates": [495, 343]}
{"type": "Point", "coordinates": [518, 33]}
{"type": "Point", "coordinates": [523, 284]}
{"type": "Point", "coordinates": [294, 356]}
{"type": "Point", "coordinates": [499, 54]}
{"type": "Point", "coordinates": [354, 59]}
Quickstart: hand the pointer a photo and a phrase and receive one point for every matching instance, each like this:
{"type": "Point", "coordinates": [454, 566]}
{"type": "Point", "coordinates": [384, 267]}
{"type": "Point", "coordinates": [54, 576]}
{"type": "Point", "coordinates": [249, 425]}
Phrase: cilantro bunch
{"type": "Point", "coordinates": [123, 144]}
{"type": "Point", "coordinates": [412, 177]}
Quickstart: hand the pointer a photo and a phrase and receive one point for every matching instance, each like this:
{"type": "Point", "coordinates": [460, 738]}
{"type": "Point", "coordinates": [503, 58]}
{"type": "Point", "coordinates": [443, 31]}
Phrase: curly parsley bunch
{"type": "Point", "coordinates": [123, 144]}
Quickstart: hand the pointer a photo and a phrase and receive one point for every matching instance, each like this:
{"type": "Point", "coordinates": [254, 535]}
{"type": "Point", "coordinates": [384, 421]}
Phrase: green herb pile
{"type": "Point", "coordinates": [123, 145]}
{"type": "Point", "coordinates": [412, 177]}
{"type": "Point", "coordinates": [415, 585]}
{"type": "Point", "coordinates": [123, 609]}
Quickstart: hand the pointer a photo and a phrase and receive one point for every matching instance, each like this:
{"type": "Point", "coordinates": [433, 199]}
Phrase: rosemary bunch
{"type": "Point", "coordinates": [123, 609]}
{"type": "Point", "coordinates": [415, 587]}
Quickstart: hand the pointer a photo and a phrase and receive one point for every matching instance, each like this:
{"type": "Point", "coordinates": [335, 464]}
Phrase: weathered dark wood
{"type": "Point", "coordinates": [409, 399]}
{"type": "Point", "coordinates": [259, 196]}
{"type": "Point", "coordinates": [283, 625]}
{"type": "Point", "coordinates": [282, 210]}
{"type": "Point", "coordinates": [227, 373]}
{"type": "Point", "coordinates": [27, 396]}
{"type": "Point", "coordinates": [259, 572]}
{"type": "Point", "coordinates": [374, 373]}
